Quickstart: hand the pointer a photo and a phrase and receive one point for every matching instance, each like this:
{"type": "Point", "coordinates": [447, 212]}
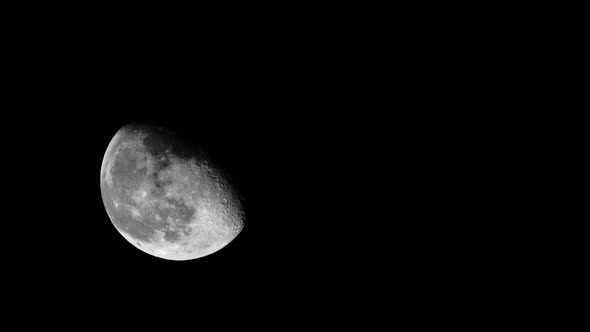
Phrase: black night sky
{"type": "Point", "coordinates": [365, 187]}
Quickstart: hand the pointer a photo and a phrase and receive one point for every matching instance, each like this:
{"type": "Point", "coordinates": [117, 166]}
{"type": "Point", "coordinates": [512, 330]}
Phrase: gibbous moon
{"type": "Point", "coordinates": [166, 197]}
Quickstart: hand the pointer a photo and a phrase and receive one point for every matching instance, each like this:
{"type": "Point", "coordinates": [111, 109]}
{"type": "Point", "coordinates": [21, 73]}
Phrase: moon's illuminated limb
{"type": "Point", "coordinates": [218, 218]}
{"type": "Point", "coordinates": [201, 242]}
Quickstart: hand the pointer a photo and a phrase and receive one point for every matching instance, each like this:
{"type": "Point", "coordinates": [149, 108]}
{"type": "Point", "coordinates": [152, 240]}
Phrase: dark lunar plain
{"type": "Point", "coordinates": [460, 188]}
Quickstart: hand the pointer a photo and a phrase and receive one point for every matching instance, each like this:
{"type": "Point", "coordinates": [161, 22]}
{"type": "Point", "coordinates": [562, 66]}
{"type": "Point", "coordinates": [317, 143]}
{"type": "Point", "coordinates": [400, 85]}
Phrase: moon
{"type": "Point", "coordinates": [166, 197]}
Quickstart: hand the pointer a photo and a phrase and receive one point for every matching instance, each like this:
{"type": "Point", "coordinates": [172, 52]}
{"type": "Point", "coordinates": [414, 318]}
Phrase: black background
{"type": "Point", "coordinates": [373, 187]}
{"type": "Point", "coordinates": [287, 40]}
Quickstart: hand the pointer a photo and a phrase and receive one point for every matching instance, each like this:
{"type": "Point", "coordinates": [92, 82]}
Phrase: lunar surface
{"type": "Point", "coordinates": [165, 197]}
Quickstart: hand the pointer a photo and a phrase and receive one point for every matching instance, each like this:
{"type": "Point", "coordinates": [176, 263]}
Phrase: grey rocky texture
{"type": "Point", "coordinates": [165, 197]}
